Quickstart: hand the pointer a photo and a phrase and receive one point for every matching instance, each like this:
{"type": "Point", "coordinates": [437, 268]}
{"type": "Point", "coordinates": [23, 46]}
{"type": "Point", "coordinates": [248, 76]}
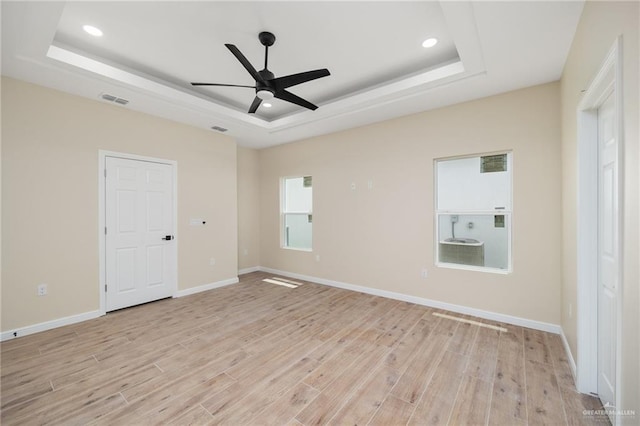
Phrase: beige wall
{"type": "Point", "coordinates": [600, 24]}
{"type": "Point", "coordinates": [382, 238]}
{"type": "Point", "coordinates": [248, 209]}
{"type": "Point", "coordinates": [50, 143]}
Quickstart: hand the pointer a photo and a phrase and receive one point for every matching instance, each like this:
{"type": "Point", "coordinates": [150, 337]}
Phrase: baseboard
{"type": "Point", "coordinates": [508, 319]}
{"type": "Point", "coordinates": [60, 322]}
{"type": "Point", "coordinates": [248, 270]}
{"type": "Point", "coordinates": [567, 349]}
{"type": "Point", "coordinates": [205, 287]}
{"type": "Point", "coordinates": [48, 325]}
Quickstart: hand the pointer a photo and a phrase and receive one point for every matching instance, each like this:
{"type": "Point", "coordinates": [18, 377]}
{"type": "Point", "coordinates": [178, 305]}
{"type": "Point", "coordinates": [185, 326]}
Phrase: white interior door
{"type": "Point", "coordinates": [608, 256]}
{"type": "Point", "coordinates": [140, 260]}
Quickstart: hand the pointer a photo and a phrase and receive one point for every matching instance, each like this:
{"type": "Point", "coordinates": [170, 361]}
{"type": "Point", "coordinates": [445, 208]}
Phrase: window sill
{"type": "Point", "coordinates": [473, 268]}
{"type": "Point", "coordinates": [297, 249]}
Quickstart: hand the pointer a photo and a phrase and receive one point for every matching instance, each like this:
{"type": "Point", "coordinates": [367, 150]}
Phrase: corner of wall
{"type": "Point", "coordinates": [248, 172]}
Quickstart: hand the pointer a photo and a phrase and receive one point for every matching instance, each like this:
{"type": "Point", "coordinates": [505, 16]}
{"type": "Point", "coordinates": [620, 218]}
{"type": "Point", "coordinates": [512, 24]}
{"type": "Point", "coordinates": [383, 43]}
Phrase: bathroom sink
{"type": "Point", "coordinates": [461, 241]}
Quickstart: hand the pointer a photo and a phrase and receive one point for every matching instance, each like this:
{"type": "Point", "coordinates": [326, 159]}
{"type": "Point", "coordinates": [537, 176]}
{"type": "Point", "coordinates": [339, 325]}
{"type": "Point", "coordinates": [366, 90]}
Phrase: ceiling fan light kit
{"type": "Point", "coordinates": [264, 94]}
{"type": "Point", "coordinates": [267, 85]}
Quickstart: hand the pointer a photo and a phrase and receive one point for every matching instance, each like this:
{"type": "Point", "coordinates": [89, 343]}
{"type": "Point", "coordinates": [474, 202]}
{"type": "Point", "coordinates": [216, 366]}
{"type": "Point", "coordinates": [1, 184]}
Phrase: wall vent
{"type": "Point", "coordinates": [493, 163]}
{"type": "Point", "coordinates": [111, 98]}
{"type": "Point", "coordinates": [219, 129]}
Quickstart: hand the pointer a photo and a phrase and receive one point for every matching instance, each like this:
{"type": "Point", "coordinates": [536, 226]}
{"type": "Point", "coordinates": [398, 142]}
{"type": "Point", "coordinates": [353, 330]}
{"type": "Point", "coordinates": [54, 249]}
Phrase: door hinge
{"type": "Point", "coordinates": [105, 288]}
{"type": "Point", "coordinates": [105, 172]}
{"type": "Point", "coordinates": [105, 230]}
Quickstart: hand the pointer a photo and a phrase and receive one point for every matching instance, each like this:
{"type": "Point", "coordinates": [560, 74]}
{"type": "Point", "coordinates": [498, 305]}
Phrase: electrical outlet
{"type": "Point", "coordinates": [212, 261]}
{"type": "Point", "coordinates": [42, 290]}
{"type": "Point", "coordinates": [245, 252]}
{"type": "Point", "coordinates": [317, 258]}
{"type": "Point", "coordinates": [423, 273]}
{"type": "Point", "coordinates": [353, 186]}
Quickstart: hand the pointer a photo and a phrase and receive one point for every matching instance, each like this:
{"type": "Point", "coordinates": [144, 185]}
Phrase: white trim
{"type": "Point", "coordinates": [567, 349]}
{"type": "Point", "coordinates": [248, 270]}
{"type": "Point", "coordinates": [205, 287]}
{"type": "Point", "coordinates": [494, 316]}
{"type": "Point", "coordinates": [463, 267]}
{"type": "Point", "coordinates": [508, 319]}
{"type": "Point", "coordinates": [102, 163]}
{"type": "Point", "coordinates": [587, 259]}
{"type": "Point", "coordinates": [49, 325]}
{"type": "Point", "coordinates": [507, 212]}
{"type": "Point", "coordinates": [73, 319]}
{"type": "Point", "coordinates": [397, 90]}
{"type": "Point", "coordinates": [61, 322]}
{"type": "Point", "coordinates": [607, 80]}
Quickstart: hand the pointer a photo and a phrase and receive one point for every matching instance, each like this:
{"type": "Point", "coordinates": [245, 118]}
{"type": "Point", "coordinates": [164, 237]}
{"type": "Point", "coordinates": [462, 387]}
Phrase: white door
{"type": "Point", "coordinates": [608, 255]}
{"type": "Point", "coordinates": [140, 257]}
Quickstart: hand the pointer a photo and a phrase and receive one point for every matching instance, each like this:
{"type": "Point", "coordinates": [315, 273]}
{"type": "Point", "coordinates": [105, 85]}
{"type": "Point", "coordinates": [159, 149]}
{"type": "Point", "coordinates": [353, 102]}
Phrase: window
{"type": "Point", "coordinates": [473, 212]}
{"type": "Point", "coordinates": [296, 196]}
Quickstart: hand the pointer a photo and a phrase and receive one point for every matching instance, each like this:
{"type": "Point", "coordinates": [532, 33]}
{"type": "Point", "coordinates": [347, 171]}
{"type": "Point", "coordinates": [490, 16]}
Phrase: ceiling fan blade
{"type": "Point", "coordinates": [254, 105]}
{"type": "Point", "coordinates": [294, 99]}
{"type": "Point", "coordinates": [222, 85]}
{"type": "Point", "coordinates": [244, 61]}
{"type": "Point", "coordinates": [303, 77]}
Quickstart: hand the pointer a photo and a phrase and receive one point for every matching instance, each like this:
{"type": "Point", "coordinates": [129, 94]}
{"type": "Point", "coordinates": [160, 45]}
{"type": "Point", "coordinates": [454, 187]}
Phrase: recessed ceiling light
{"type": "Point", "coordinates": [430, 42]}
{"type": "Point", "coordinates": [96, 32]}
{"type": "Point", "coordinates": [267, 105]}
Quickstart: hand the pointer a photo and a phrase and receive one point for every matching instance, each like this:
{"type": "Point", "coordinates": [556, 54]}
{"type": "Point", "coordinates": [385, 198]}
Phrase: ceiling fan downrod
{"type": "Point", "coordinates": [267, 39]}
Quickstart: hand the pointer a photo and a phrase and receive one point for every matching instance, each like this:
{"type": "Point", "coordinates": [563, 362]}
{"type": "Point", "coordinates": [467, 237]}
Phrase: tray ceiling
{"type": "Point", "coordinates": [151, 51]}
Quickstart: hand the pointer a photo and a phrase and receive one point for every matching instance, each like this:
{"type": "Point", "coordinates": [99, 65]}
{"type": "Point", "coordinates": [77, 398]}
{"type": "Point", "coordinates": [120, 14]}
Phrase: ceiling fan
{"type": "Point", "coordinates": [267, 85]}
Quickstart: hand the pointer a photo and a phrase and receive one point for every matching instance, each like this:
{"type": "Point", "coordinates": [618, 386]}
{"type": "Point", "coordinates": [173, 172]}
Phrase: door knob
{"type": "Point", "coordinates": [168, 237]}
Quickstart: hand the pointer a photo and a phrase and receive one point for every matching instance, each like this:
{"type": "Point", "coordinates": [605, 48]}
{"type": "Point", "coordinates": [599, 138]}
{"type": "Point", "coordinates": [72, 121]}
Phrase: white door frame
{"type": "Point", "coordinates": [608, 81]}
{"type": "Point", "coordinates": [102, 163]}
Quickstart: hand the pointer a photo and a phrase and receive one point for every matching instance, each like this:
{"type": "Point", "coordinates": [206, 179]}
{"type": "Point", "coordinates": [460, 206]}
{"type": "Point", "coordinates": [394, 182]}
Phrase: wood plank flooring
{"type": "Point", "coordinates": [256, 353]}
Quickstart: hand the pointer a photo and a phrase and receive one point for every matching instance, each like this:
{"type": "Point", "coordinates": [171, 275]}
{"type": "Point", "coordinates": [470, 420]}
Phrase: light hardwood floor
{"type": "Point", "coordinates": [259, 353]}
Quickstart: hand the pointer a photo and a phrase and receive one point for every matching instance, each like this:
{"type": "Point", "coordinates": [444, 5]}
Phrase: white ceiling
{"type": "Point", "coordinates": [151, 51]}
